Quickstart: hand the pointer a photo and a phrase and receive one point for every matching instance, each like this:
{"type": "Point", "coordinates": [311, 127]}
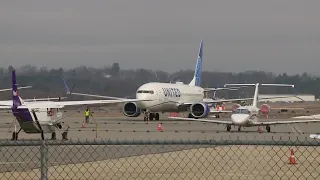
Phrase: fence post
{"type": "Point", "coordinates": [44, 160]}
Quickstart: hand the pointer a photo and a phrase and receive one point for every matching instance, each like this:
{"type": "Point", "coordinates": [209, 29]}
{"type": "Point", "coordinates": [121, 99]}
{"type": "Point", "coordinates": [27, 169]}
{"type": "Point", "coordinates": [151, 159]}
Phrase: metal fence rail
{"type": "Point", "coordinates": [169, 159]}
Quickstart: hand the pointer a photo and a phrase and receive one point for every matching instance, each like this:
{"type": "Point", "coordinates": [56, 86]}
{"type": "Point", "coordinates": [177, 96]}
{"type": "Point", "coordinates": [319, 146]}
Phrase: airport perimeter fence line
{"type": "Point", "coordinates": [165, 159]}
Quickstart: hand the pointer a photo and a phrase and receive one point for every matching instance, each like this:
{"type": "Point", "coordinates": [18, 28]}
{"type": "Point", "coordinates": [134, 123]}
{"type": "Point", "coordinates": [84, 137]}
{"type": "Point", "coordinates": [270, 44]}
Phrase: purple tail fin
{"type": "Point", "coordinates": [15, 97]}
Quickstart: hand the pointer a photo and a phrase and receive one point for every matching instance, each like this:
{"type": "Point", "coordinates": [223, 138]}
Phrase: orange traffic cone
{"type": "Point", "coordinates": [292, 159]}
{"type": "Point", "coordinates": [83, 125]}
{"type": "Point", "coordinates": [159, 127]}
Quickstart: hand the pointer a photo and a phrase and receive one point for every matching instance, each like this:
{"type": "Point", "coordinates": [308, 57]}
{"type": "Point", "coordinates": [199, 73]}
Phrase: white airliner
{"type": "Point", "coordinates": [169, 97]}
{"type": "Point", "coordinates": [44, 116]}
{"type": "Point", "coordinates": [247, 116]}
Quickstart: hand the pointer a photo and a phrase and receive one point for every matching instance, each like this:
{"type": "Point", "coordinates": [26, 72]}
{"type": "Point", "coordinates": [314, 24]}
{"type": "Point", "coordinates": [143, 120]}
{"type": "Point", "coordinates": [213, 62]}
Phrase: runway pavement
{"type": "Point", "coordinates": [121, 128]}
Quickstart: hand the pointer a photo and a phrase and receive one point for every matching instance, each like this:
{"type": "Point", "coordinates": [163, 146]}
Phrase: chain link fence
{"type": "Point", "coordinates": [175, 159]}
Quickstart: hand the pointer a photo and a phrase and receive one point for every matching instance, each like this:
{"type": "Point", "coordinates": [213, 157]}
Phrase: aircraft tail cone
{"type": "Point", "coordinates": [159, 127]}
{"type": "Point", "coordinates": [292, 159]}
{"type": "Point", "coordinates": [83, 125]}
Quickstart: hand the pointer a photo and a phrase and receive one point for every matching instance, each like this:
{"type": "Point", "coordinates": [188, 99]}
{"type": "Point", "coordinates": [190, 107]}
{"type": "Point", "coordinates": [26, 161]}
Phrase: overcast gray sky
{"type": "Point", "coordinates": [272, 35]}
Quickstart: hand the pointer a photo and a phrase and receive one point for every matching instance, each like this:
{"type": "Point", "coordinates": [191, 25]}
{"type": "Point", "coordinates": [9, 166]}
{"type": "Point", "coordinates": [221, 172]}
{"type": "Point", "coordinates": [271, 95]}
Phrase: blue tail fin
{"type": "Point", "coordinates": [15, 97]}
{"type": "Point", "coordinates": [196, 81]}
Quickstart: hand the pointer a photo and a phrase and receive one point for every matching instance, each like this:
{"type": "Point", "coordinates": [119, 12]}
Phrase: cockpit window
{"type": "Point", "coordinates": [145, 91]}
{"type": "Point", "coordinates": [242, 111]}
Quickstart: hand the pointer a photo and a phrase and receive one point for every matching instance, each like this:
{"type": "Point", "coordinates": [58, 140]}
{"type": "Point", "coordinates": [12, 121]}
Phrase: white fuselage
{"type": "Point", "coordinates": [166, 97]}
{"type": "Point", "coordinates": [245, 116]}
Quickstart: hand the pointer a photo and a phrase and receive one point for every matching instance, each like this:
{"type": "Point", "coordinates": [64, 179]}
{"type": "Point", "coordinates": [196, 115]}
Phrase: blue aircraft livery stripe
{"type": "Point", "coordinates": [199, 66]}
{"type": "Point", "coordinates": [22, 115]}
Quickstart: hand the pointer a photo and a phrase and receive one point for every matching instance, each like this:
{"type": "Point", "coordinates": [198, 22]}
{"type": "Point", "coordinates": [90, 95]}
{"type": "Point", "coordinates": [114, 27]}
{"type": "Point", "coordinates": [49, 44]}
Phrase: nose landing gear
{"type": "Point", "coordinates": [228, 127]}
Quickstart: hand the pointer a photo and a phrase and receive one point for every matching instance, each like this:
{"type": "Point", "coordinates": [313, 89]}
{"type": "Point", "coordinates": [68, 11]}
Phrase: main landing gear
{"type": "Point", "coordinates": [268, 128]}
{"type": "Point", "coordinates": [228, 127]}
{"type": "Point", "coordinates": [151, 116]}
{"type": "Point", "coordinates": [15, 135]}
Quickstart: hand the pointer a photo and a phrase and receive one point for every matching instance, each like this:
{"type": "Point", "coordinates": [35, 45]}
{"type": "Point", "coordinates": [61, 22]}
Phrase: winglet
{"type": "Point", "coordinates": [66, 86]}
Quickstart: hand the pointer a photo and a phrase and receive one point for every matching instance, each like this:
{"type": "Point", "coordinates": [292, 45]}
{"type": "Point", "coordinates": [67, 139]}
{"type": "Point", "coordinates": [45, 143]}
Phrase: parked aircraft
{"type": "Point", "coordinates": [169, 97]}
{"type": "Point", "coordinates": [43, 116]}
{"type": "Point", "coordinates": [247, 116]}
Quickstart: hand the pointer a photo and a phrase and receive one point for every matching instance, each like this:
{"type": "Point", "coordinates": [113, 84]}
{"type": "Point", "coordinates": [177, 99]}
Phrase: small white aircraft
{"type": "Point", "coordinates": [247, 116]}
{"type": "Point", "coordinates": [169, 97]}
{"type": "Point", "coordinates": [315, 136]}
{"type": "Point", "coordinates": [43, 116]}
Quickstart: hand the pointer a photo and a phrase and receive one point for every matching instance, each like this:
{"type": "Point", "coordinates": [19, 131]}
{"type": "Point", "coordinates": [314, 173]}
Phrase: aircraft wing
{"type": "Point", "coordinates": [44, 99]}
{"type": "Point", "coordinates": [97, 96]}
{"type": "Point", "coordinates": [5, 107]}
{"type": "Point", "coordinates": [24, 87]}
{"type": "Point", "coordinates": [6, 103]}
{"type": "Point", "coordinates": [243, 99]}
{"type": "Point", "coordinates": [315, 136]}
{"type": "Point", "coordinates": [202, 120]}
{"type": "Point", "coordinates": [89, 95]}
{"type": "Point", "coordinates": [253, 124]}
{"type": "Point", "coordinates": [225, 88]}
{"type": "Point", "coordinates": [285, 122]}
{"type": "Point", "coordinates": [218, 111]}
{"type": "Point", "coordinates": [48, 104]}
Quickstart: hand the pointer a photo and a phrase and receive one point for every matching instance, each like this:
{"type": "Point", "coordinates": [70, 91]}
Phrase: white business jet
{"type": "Point", "coordinates": [247, 116]}
{"type": "Point", "coordinates": [44, 116]}
{"type": "Point", "coordinates": [169, 97]}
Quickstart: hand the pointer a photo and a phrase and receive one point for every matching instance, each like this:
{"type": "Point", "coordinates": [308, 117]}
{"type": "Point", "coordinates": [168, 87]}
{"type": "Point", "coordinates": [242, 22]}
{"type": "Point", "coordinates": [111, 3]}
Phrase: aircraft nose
{"type": "Point", "coordinates": [239, 118]}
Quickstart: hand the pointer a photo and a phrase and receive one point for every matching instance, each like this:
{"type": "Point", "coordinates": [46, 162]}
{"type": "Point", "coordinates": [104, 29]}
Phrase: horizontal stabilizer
{"type": "Point", "coordinates": [24, 87]}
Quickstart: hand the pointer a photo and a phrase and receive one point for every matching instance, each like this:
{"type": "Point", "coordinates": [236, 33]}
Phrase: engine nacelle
{"type": "Point", "coordinates": [235, 107]}
{"type": "Point", "coordinates": [265, 108]}
{"type": "Point", "coordinates": [199, 110]}
{"type": "Point", "coordinates": [131, 109]}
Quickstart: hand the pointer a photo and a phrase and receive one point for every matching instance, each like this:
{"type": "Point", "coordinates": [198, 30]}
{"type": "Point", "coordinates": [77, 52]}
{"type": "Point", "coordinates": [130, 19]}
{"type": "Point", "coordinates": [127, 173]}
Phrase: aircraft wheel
{"type": "Point", "coordinates": [14, 136]}
{"type": "Point", "coordinates": [151, 116]}
{"type": "Point", "coordinates": [217, 116]}
{"type": "Point", "coordinates": [157, 116]}
{"type": "Point", "coordinates": [268, 128]}
{"type": "Point", "coordinates": [239, 128]}
{"type": "Point", "coordinates": [53, 136]}
{"type": "Point", "coordinates": [228, 127]}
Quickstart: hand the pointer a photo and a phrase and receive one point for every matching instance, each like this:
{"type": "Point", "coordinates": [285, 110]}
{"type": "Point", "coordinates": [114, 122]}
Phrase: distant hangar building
{"type": "Point", "coordinates": [287, 98]}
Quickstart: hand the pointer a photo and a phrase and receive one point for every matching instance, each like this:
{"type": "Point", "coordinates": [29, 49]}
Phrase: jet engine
{"type": "Point", "coordinates": [131, 109]}
{"type": "Point", "coordinates": [265, 108]}
{"type": "Point", "coordinates": [199, 110]}
{"type": "Point", "coordinates": [235, 107]}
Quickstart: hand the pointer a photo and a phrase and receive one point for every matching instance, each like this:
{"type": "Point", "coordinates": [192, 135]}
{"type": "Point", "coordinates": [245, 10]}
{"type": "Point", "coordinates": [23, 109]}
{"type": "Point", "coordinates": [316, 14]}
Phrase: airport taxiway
{"type": "Point", "coordinates": [135, 128]}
